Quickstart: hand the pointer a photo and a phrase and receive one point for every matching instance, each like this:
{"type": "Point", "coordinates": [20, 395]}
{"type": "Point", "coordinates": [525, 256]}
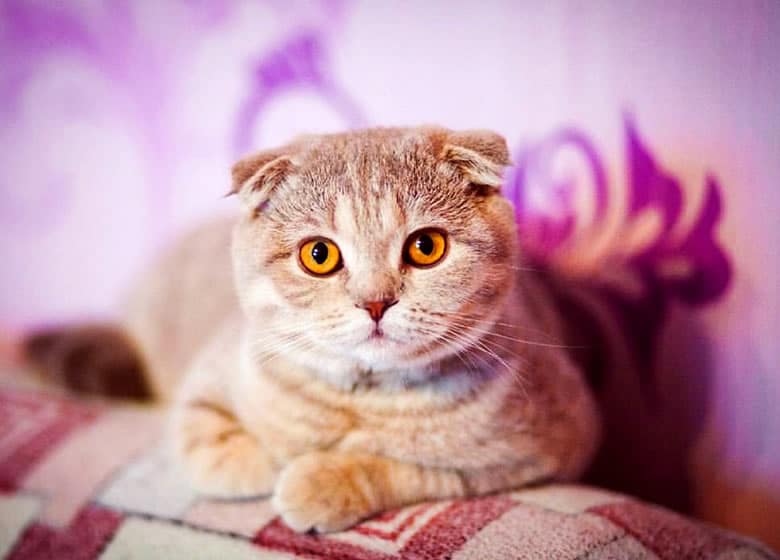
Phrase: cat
{"type": "Point", "coordinates": [384, 343]}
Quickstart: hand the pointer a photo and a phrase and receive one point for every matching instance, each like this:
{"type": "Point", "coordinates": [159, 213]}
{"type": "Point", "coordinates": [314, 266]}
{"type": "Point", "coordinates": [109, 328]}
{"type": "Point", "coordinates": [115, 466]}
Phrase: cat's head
{"type": "Point", "coordinates": [387, 248]}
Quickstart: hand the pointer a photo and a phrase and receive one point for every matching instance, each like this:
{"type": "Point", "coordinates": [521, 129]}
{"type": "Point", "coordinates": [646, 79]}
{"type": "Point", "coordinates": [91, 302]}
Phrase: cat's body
{"type": "Point", "coordinates": [382, 382]}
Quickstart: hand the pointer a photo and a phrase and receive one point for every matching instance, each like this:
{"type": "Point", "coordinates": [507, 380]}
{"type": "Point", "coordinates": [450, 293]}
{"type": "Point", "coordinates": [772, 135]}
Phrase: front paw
{"type": "Point", "coordinates": [230, 466]}
{"type": "Point", "coordinates": [325, 492]}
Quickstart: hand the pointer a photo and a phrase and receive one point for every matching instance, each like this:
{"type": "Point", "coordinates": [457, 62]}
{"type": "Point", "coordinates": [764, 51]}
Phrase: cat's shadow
{"type": "Point", "coordinates": [651, 430]}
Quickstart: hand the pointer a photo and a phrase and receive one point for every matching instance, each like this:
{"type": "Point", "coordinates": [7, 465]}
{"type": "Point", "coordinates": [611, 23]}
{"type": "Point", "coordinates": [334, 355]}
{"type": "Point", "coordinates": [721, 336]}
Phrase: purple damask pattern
{"type": "Point", "coordinates": [666, 266]}
{"type": "Point", "coordinates": [544, 203]}
{"type": "Point", "coordinates": [300, 62]}
{"type": "Point", "coordinates": [547, 214]}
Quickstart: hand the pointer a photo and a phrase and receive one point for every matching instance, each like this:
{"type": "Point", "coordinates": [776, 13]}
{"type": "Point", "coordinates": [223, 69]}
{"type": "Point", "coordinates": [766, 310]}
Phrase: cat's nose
{"type": "Point", "coordinates": [376, 309]}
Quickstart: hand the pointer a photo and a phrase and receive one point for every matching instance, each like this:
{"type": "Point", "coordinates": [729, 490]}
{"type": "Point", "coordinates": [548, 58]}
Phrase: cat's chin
{"type": "Point", "coordinates": [379, 350]}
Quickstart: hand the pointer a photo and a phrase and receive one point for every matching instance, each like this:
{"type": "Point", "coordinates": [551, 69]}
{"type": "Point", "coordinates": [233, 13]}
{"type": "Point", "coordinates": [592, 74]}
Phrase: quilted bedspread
{"type": "Point", "coordinates": [85, 480]}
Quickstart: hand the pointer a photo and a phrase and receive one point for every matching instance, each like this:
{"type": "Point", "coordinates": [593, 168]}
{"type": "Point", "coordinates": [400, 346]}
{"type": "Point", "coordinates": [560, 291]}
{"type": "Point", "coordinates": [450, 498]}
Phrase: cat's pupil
{"type": "Point", "coordinates": [425, 244]}
{"type": "Point", "coordinates": [319, 253]}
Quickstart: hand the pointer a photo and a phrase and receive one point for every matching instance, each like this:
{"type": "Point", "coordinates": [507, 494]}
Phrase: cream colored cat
{"type": "Point", "coordinates": [386, 345]}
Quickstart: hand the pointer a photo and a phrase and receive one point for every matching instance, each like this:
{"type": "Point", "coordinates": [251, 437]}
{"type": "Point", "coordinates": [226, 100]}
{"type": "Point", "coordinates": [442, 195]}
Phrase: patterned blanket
{"type": "Point", "coordinates": [85, 480]}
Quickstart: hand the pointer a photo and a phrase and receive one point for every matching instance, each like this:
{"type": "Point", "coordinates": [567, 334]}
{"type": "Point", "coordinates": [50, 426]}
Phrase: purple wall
{"type": "Point", "coordinates": [646, 138]}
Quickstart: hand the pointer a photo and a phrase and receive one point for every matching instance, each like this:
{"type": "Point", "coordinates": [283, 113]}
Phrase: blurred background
{"type": "Point", "coordinates": [645, 136]}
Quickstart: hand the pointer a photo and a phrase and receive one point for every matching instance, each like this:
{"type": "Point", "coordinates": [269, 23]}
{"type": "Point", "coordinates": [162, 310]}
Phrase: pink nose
{"type": "Point", "coordinates": [376, 309]}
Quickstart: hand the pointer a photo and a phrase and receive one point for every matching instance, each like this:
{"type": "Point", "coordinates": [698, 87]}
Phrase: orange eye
{"type": "Point", "coordinates": [425, 248]}
{"type": "Point", "coordinates": [319, 257]}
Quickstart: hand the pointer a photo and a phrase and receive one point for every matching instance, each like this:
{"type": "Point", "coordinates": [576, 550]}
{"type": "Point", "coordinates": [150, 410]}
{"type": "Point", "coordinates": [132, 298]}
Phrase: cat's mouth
{"type": "Point", "coordinates": [379, 336]}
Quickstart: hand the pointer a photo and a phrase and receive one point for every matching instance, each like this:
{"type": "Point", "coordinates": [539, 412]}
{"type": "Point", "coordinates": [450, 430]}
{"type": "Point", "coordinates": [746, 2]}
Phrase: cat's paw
{"type": "Point", "coordinates": [324, 492]}
{"type": "Point", "coordinates": [233, 466]}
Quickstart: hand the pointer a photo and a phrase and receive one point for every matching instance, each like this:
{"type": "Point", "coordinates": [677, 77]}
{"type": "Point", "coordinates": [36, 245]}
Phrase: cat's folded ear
{"type": "Point", "coordinates": [255, 177]}
{"type": "Point", "coordinates": [479, 155]}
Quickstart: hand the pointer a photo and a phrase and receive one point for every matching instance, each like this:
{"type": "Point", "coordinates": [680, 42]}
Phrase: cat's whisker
{"type": "Point", "coordinates": [484, 334]}
{"type": "Point", "coordinates": [476, 344]}
{"type": "Point", "coordinates": [525, 268]}
{"type": "Point", "coordinates": [515, 370]}
{"type": "Point", "coordinates": [297, 326]}
{"type": "Point", "coordinates": [448, 338]}
{"type": "Point", "coordinates": [471, 317]}
{"type": "Point", "coordinates": [276, 333]}
{"type": "Point", "coordinates": [297, 343]}
{"type": "Point", "coordinates": [476, 349]}
{"type": "Point", "coordinates": [488, 332]}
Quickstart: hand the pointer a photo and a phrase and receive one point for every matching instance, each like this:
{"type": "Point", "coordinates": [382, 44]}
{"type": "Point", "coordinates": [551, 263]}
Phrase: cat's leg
{"type": "Point", "coordinates": [220, 457]}
{"type": "Point", "coordinates": [331, 491]}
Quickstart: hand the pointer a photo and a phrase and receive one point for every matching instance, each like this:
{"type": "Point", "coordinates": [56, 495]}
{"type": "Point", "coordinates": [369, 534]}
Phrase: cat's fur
{"type": "Point", "coordinates": [468, 393]}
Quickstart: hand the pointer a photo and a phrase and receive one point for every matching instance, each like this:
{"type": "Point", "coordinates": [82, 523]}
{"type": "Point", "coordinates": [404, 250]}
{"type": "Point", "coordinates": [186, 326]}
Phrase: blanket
{"type": "Point", "coordinates": [87, 480]}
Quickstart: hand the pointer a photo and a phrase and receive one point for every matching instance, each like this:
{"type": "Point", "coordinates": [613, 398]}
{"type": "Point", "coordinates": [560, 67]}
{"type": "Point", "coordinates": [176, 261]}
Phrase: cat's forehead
{"type": "Point", "coordinates": [368, 182]}
{"type": "Point", "coordinates": [380, 220]}
{"type": "Point", "coordinates": [368, 162]}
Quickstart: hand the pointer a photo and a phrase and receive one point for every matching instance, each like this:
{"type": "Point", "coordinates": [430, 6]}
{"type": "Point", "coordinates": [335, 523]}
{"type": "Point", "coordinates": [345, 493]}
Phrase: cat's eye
{"type": "Point", "coordinates": [425, 248]}
{"type": "Point", "coordinates": [319, 257]}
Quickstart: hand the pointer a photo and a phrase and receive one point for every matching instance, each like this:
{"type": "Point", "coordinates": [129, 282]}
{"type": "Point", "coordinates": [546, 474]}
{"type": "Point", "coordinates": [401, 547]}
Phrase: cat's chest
{"type": "Point", "coordinates": [291, 417]}
{"type": "Point", "coordinates": [469, 432]}
{"type": "Point", "coordinates": [288, 420]}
